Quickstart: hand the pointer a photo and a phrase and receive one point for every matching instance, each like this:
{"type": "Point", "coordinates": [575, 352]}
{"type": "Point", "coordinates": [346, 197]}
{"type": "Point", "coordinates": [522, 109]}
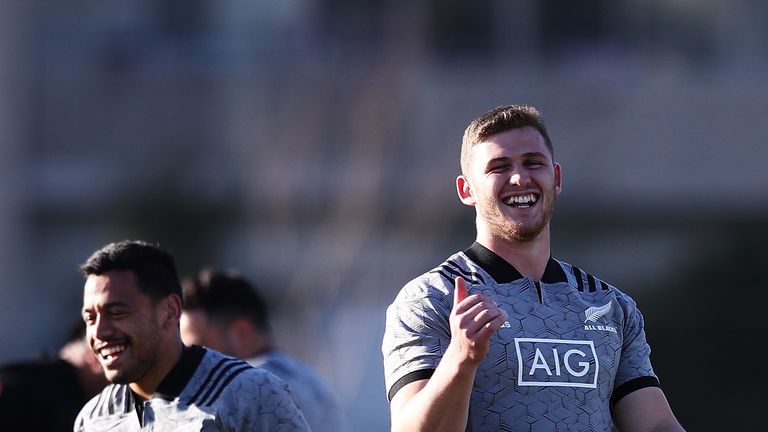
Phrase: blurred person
{"type": "Point", "coordinates": [58, 386]}
{"type": "Point", "coordinates": [132, 302]}
{"type": "Point", "coordinates": [225, 312]}
{"type": "Point", "coordinates": [501, 336]}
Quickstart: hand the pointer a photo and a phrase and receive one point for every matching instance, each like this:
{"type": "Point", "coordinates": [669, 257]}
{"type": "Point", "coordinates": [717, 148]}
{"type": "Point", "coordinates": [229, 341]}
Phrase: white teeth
{"type": "Point", "coordinates": [106, 352]}
{"type": "Point", "coordinates": [529, 199]}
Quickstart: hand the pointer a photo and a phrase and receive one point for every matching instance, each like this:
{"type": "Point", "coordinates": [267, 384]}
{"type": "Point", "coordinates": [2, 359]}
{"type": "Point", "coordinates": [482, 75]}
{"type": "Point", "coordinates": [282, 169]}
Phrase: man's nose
{"type": "Point", "coordinates": [519, 178]}
{"type": "Point", "coordinates": [102, 328]}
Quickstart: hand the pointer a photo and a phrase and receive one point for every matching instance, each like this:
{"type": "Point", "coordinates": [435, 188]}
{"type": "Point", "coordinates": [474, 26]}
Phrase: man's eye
{"type": "Point", "coordinates": [89, 319]}
{"type": "Point", "coordinates": [534, 164]}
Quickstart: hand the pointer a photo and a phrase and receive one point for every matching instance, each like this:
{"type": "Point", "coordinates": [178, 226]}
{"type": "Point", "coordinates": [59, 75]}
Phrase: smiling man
{"type": "Point", "coordinates": [502, 336]}
{"type": "Point", "coordinates": [132, 303]}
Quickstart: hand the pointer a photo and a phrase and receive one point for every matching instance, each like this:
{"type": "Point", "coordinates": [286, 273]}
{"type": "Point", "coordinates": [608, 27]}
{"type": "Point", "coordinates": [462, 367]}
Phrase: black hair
{"type": "Point", "coordinates": [225, 296]}
{"type": "Point", "coordinates": [153, 266]}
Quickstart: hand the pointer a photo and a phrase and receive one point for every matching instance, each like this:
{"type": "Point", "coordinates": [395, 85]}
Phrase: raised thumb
{"type": "Point", "coordinates": [461, 292]}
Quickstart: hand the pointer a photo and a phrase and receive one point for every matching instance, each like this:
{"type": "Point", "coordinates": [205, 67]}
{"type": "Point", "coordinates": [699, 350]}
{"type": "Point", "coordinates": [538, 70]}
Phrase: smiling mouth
{"type": "Point", "coordinates": [522, 201]}
{"type": "Point", "coordinates": [111, 352]}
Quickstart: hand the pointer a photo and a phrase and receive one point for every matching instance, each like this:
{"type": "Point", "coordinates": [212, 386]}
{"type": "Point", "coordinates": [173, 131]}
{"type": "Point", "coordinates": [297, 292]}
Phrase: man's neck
{"type": "Point", "coordinates": [146, 387]}
{"type": "Point", "coordinates": [261, 344]}
{"type": "Point", "coordinates": [528, 257]}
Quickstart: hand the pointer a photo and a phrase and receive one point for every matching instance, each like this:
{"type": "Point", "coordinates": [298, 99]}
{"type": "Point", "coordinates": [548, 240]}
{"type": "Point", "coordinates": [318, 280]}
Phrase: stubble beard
{"type": "Point", "coordinates": [512, 231]}
{"type": "Point", "coordinates": [144, 357]}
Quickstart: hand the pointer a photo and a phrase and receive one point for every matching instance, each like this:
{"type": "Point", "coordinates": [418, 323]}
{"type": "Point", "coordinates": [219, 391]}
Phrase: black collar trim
{"type": "Point", "coordinates": [503, 272]}
{"type": "Point", "coordinates": [179, 376]}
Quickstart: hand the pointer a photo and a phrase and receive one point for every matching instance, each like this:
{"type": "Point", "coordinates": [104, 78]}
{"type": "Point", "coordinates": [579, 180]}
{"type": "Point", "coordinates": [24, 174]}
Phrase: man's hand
{"type": "Point", "coordinates": [473, 320]}
{"type": "Point", "coordinates": [441, 403]}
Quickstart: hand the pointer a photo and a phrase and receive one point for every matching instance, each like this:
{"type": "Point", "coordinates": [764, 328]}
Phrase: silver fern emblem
{"type": "Point", "coordinates": [595, 312]}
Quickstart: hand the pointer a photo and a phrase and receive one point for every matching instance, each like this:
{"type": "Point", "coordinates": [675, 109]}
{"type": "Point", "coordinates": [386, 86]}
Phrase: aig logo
{"type": "Point", "coordinates": [556, 363]}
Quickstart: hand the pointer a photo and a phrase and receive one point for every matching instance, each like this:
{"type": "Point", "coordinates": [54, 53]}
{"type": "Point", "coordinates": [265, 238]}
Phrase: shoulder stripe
{"type": "Point", "coordinates": [578, 275]}
{"type": "Point", "coordinates": [444, 274]}
{"type": "Point", "coordinates": [472, 276]}
{"type": "Point", "coordinates": [206, 381]}
{"type": "Point", "coordinates": [591, 282]}
{"type": "Point", "coordinates": [109, 400]}
{"type": "Point", "coordinates": [235, 372]}
{"type": "Point", "coordinates": [95, 408]}
{"type": "Point", "coordinates": [96, 405]}
{"type": "Point", "coordinates": [113, 400]}
{"type": "Point", "coordinates": [231, 363]}
{"type": "Point", "coordinates": [106, 403]}
{"type": "Point", "coordinates": [449, 270]}
{"type": "Point", "coordinates": [128, 400]}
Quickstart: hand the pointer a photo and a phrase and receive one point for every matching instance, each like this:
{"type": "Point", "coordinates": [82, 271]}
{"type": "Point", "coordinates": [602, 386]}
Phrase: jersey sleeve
{"type": "Point", "coordinates": [635, 370]}
{"type": "Point", "coordinates": [417, 332]}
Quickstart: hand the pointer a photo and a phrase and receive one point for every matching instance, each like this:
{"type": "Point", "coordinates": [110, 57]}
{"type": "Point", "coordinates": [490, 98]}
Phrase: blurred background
{"type": "Point", "coordinates": [313, 145]}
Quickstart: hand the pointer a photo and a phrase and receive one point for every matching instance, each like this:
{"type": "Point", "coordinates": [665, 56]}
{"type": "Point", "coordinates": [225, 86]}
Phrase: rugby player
{"type": "Point", "coordinates": [502, 336]}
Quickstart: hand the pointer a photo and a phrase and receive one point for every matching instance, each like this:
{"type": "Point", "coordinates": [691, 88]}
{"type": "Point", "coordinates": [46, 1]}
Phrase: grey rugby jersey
{"type": "Point", "coordinates": [205, 391]}
{"type": "Point", "coordinates": [572, 346]}
{"type": "Point", "coordinates": [315, 399]}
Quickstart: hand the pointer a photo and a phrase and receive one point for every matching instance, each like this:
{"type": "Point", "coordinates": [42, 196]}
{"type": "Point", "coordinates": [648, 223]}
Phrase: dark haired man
{"type": "Point", "coordinates": [132, 303]}
{"type": "Point", "coordinates": [224, 311]}
{"type": "Point", "coordinates": [502, 336]}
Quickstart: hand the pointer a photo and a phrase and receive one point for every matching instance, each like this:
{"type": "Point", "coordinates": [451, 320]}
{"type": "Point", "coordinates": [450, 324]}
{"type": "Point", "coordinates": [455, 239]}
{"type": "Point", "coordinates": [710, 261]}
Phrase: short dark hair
{"type": "Point", "coordinates": [153, 266]}
{"type": "Point", "coordinates": [497, 120]}
{"type": "Point", "coordinates": [225, 296]}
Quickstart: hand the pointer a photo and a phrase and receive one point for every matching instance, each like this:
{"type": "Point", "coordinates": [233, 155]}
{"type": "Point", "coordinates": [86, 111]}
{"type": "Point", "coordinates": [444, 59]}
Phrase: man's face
{"type": "Point", "coordinates": [196, 329]}
{"type": "Point", "coordinates": [512, 184]}
{"type": "Point", "coordinates": [123, 326]}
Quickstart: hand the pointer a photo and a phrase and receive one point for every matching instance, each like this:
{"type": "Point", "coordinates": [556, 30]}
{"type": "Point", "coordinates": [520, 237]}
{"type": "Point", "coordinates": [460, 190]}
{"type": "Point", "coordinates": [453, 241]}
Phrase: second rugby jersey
{"type": "Point", "coordinates": [571, 347]}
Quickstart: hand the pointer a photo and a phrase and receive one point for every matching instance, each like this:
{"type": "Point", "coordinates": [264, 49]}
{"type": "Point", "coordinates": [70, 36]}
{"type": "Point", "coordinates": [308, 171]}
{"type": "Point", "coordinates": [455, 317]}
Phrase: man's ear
{"type": "Point", "coordinates": [171, 310]}
{"type": "Point", "coordinates": [464, 189]}
{"type": "Point", "coordinates": [558, 179]}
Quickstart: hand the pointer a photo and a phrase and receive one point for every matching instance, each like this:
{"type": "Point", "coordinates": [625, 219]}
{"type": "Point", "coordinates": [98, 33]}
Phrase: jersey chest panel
{"type": "Point", "coordinates": [556, 356]}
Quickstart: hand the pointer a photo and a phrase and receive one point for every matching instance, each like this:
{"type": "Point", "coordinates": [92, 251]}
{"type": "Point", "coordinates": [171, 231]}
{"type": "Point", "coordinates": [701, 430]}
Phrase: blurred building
{"type": "Point", "coordinates": [313, 145]}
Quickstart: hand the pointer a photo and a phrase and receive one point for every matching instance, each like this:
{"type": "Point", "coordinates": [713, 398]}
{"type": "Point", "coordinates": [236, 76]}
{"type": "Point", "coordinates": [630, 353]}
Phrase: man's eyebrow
{"type": "Point", "coordinates": [498, 159]}
{"type": "Point", "coordinates": [526, 155]}
{"type": "Point", "coordinates": [535, 155]}
{"type": "Point", "coordinates": [106, 306]}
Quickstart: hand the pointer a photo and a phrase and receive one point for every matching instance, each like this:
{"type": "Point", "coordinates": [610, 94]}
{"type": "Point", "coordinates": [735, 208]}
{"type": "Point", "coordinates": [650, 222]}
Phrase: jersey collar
{"type": "Point", "coordinates": [179, 376]}
{"type": "Point", "coordinates": [503, 272]}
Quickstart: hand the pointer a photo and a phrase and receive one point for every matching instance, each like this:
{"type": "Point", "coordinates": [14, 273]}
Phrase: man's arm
{"type": "Point", "coordinates": [441, 403]}
{"type": "Point", "coordinates": [645, 410]}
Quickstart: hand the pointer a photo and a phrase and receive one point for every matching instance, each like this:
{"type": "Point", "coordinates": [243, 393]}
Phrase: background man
{"type": "Point", "coordinates": [502, 336]}
{"type": "Point", "coordinates": [131, 308]}
{"type": "Point", "coordinates": [224, 311]}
